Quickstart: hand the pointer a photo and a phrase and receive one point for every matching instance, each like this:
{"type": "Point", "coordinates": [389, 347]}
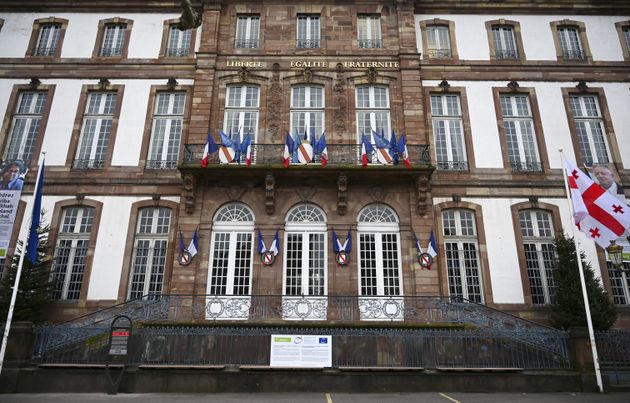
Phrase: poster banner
{"type": "Point", "coordinates": [13, 173]}
{"type": "Point", "coordinates": [301, 351]}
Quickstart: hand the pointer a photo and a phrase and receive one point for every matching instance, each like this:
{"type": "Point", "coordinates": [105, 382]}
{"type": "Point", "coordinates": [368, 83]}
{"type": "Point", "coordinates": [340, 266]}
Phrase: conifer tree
{"type": "Point", "coordinates": [35, 285]}
{"type": "Point", "coordinates": [568, 307]}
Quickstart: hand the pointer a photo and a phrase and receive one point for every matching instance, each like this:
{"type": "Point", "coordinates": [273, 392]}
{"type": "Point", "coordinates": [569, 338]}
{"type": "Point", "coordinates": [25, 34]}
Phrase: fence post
{"type": "Point", "coordinates": [580, 349]}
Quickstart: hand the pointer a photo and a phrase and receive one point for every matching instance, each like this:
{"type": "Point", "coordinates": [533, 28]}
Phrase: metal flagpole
{"type": "Point", "coordinates": [18, 274]}
{"type": "Point", "coordinates": [587, 308]}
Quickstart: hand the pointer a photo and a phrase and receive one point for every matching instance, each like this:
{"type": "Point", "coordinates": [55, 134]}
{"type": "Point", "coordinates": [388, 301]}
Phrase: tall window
{"type": "Point", "coordinates": [380, 271]}
{"type": "Point", "coordinates": [504, 42]}
{"type": "Point", "coordinates": [241, 110]}
{"type": "Point", "coordinates": [538, 237]}
{"type": "Point", "coordinates": [626, 36]}
{"type": "Point", "coordinates": [96, 130]}
{"type": "Point", "coordinates": [232, 249]}
{"type": "Point", "coordinates": [438, 41]}
{"type": "Point", "coordinates": [570, 44]}
{"type": "Point", "coordinates": [589, 126]}
{"type": "Point", "coordinates": [462, 255]}
{"type": "Point", "coordinates": [520, 136]}
{"type": "Point", "coordinates": [167, 130]}
{"type": "Point", "coordinates": [247, 31]}
{"type": "Point", "coordinates": [448, 132]}
{"type": "Point", "coordinates": [369, 31]}
{"type": "Point", "coordinates": [178, 41]}
{"type": "Point", "coordinates": [25, 125]}
{"type": "Point", "coordinates": [149, 251]}
{"type": "Point", "coordinates": [71, 252]}
{"type": "Point", "coordinates": [47, 40]}
{"type": "Point", "coordinates": [308, 31]}
{"type": "Point", "coordinates": [305, 256]}
{"type": "Point", "coordinates": [113, 40]}
{"type": "Point", "coordinates": [620, 283]}
{"type": "Point", "coordinates": [372, 110]}
{"type": "Point", "coordinates": [307, 109]}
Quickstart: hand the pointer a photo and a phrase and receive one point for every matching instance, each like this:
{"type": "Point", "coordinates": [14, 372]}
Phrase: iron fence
{"type": "Point", "coordinates": [338, 154]}
{"type": "Point", "coordinates": [613, 348]}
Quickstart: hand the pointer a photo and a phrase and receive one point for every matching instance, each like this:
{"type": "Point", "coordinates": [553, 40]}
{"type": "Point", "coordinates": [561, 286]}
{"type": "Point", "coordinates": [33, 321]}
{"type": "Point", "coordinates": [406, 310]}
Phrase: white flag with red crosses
{"type": "Point", "coordinates": [597, 213]}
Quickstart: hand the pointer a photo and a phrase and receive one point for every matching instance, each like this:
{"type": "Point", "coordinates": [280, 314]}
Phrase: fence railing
{"type": "Point", "coordinates": [613, 348]}
{"type": "Point", "coordinates": [338, 154]}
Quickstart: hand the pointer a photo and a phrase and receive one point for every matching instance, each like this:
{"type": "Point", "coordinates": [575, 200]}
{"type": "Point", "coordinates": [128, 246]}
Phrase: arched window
{"type": "Point", "coordinates": [462, 254]}
{"type": "Point", "coordinates": [71, 249]}
{"type": "Point", "coordinates": [379, 252]}
{"type": "Point", "coordinates": [538, 235]}
{"type": "Point", "coordinates": [305, 256]}
{"type": "Point", "coordinates": [231, 251]}
{"type": "Point", "coordinates": [149, 251]}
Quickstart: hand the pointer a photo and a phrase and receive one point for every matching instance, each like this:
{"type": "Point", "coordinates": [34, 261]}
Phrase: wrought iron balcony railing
{"type": "Point", "coordinates": [577, 54]}
{"type": "Point", "coordinates": [44, 51]}
{"type": "Point", "coordinates": [177, 52]}
{"type": "Point", "coordinates": [439, 53]}
{"type": "Point", "coordinates": [88, 164]}
{"type": "Point", "coordinates": [161, 164]}
{"type": "Point", "coordinates": [246, 43]}
{"type": "Point", "coordinates": [506, 54]}
{"type": "Point", "coordinates": [338, 154]}
{"type": "Point", "coordinates": [307, 43]}
{"type": "Point", "coordinates": [526, 166]}
{"type": "Point", "coordinates": [111, 52]}
{"type": "Point", "coordinates": [452, 165]}
{"type": "Point", "coordinates": [370, 43]}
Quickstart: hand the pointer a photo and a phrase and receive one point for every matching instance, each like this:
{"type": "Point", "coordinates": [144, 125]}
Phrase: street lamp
{"type": "Point", "coordinates": [615, 254]}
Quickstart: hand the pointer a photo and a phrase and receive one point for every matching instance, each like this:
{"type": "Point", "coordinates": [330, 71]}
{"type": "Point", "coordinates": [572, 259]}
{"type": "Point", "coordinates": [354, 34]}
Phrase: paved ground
{"type": "Point", "coordinates": [321, 398]}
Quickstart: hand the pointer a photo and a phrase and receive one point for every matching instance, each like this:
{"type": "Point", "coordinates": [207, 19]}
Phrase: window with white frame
{"type": "Point", "coordinates": [380, 271]}
{"type": "Point", "coordinates": [448, 132]}
{"type": "Point", "coordinates": [150, 247]}
{"type": "Point", "coordinates": [241, 111]}
{"type": "Point", "coordinates": [25, 125]}
{"type": "Point", "coordinates": [372, 110]}
{"type": "Point", "coordinates": [520, 135]}
{"type": "Point", "coordinates": [626, 37]}
{"type": "Point", "coordinates": [504, 42]}
{"type": "Point", "coordinates": [47, 40]}
{"type": "Point", "coordinates": [570, 44]}
{"type": "Point", "coordinates": [247, 31]}
{"type": "Point", "coordinates": [178, 41]}
{"type": "Point", "coordinates": [620, 283]}
{"type": "Point", "coordinates": [96, 130]}
{"type": "Point", "coordinates": [71, 252]}
{"type": "Point", "coordinates": [305, 252]}
{"type": "Point", "coordinates": [538, 237]}
{"type": "Point", "coordinates": [369, 31]}
{"type": "Point", "coordinates": [113, 40]}
{"type": "Point", "coordinates": [166, 130]}
{"type": "Point", "coordinates": [307, 109]}
{"type": "Point", "coordinates": [438, 41]}
{"type": "Point", "coordinates": [589, 126]}
{"type": "Point", "coordinates": [462, 255]}
{"type": "Point", "coordinates": [308, 31]}
{"type": "Point", "coordinates": [231, 252]}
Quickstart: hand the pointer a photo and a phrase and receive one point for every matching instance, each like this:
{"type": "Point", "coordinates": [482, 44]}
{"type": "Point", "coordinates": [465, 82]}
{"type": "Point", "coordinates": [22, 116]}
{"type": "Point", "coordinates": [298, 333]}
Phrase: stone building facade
{"type": "Point", "coordinates": [485, 94]}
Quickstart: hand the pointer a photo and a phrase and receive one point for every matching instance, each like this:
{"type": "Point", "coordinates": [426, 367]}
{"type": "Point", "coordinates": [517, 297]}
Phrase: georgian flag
{"type": "Point", "coordinates": [289, 148]}
{"type": "Point", "coordinates": [366, 151]}
{"type": "Point", "coordinates": [210, 148]}
{"type": "Point", "coordinates": [597, 213]}
{"type": "Point", "coordinates": [322, 149]}
{"type": "Point", "coordinates": [194, 244]}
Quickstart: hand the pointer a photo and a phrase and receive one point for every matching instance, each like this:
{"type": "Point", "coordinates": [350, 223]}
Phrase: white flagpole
{"type": "Point", "coordinates": [18, 274]}
{"type": "Point", "coordinates": [587, 308]}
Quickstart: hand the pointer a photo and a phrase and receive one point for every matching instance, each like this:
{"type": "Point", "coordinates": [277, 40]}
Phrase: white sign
{"type": "Point", "coordinates": [301, 351]}
{"type": "Point", "coordinates": [9, 200]}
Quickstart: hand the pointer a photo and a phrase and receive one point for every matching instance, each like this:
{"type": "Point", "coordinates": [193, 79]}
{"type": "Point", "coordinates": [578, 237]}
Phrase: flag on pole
{"type": "Point", "coordinates": [432, 248]}
{"type": "Point", "coordinates": [289, 147]}
{"type": "Point", "coordinates": [418, 247]}
{"type": "Point", "coordinates": [194, 244]}
{"type": "Point", "coordinates": [393, 147]}
{"type": "Point", "coordinates": [246, 149]}
{"type": "Point", "coordinates": [322, 149]}
{"type": "Point", "coordinates": [228, 149]}
{"type": "Point", "coordinates": [33, 236]}
{"type": "Point", "coordinates": [275, 245]}
{"type": "Point", "coordinates": [383, 148]}
{"type": "Point", "coordinates": [210, 148]}
{"type": "Point", "coordinates": [597, 213]}
{"type": "Point", "coordinates": [366, 150]}
{"type": "Point", "coordinates": [182, 246]}
{"type": "Point", "coordinates": [402, 149]}
{"type": "Point", "coordinates": [261, 244]}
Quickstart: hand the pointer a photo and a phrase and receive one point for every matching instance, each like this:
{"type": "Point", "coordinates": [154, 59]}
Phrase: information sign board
{"type": "Point", "coordinates": [301, 351]}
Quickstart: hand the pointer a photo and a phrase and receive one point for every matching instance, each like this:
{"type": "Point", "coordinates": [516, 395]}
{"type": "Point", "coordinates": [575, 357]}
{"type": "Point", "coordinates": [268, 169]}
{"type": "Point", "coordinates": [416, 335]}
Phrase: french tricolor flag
{"type": "Point", "coordinates": [210, 148]}
{"type": "Point", "coordinates": [289, 148]}
{"type": "Point", "coordinates": [366, 151]}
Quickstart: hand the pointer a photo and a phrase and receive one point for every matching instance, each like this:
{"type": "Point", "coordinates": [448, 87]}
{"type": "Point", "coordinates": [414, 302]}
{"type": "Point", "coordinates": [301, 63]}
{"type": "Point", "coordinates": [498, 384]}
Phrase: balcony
{"type": "Point", "coordinates": [339, 155]}
{"type": "Point", "coordinates": [88, 164]}
{"type": "Point", "coordinates": [108, 52]}
{"type": "Point", "coordinates": [44, 51]}
{"type": "Point", "coordinates": [525, 167]}
{"type": "Point", "coordinates": [177, 52]}
{"type": "Point", "coordinates": [246, 43]}
{"type": "Point", "coordinates": [161, 164]}
{"type": "Point", "coordinates": [307, 43]}
{"type": "Point", "coordinates": [439, 53]}
{"type": "Point", "coordinates": [452, 165]}
{"type": "Point", "coordinates": [577, 54]}
{"type": "Point", "coordinates": [370, 43]}
{"type": "Point", "coordinates": [505, 54]}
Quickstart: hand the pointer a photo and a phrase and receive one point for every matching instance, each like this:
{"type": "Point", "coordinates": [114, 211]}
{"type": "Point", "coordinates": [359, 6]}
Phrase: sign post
{"type": "Point", "coordinates": [118, 350]}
